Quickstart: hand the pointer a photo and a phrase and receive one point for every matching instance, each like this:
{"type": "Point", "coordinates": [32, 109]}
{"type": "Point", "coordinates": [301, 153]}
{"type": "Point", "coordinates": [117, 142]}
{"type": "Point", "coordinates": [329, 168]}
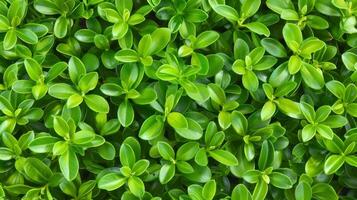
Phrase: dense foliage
{"type": "Point", "coordinates": [178, 99]}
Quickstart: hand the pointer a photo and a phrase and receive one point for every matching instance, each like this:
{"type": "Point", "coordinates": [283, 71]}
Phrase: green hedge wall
{"type": "Point", "coordinates": [178, 99]}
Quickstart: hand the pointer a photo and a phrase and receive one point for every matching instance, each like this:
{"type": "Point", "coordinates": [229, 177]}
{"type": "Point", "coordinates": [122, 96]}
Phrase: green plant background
{"type": "Point", "coordinates": [178, 99]}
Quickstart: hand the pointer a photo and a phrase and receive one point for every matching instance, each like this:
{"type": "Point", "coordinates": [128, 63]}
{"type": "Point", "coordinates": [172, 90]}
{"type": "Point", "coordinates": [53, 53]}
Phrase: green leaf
{"type": "Point", "coordinates": [303, 191]}
{"type": "Point", "coordinates": [226, 11]}
{"type": "Point", "coordinates": [82, 137]}
{"type": "Point", "coordinates": [88, 82]}
{"type": "Point", "coordinates": [167, 172]}
{"type": "Point", "coordinates": [323, 191]}
{"type": "Point", "coordinates": [268, 110]}
{"type": "Point", "coordinates": [205, 39]}
{"type": "Point", "coordinates": [250, 81]}
{"type": "Point", "coordinates": [349, 59]}
{"type": "Point", "coordinates": [76, 69]}
{"type": "Point", "coordinates": [258, 28]}
{"type": "Point", "coordinates": [289, 107]}
{"type": "Point", "coordinates": [112, 89]}
{"type": "Point", "coordinates": [260, 190]}
{"type": "Point", "coordinates": [60, 27]}
{"type": "Point", "coordinates": [6, 153]}
{"type": "Point", "coordinates": [241, 192]}
{"type": "Point", "coordinates": [292, 36]}
{"type": "Point", "coordinates": [308, 112]}
{"type": "Point", "coordinates": [224, 157]}
{"type": "Point", "coordinates": [177, 120]}
{"type": "Point", "coordinates": [27, 36]}
{"type": "Point", "coordinates": [127, 56]}
{"type": "Point", "coordinates": [152, 127]}
{"type": "Point", "coordinates": [325, 131]}
{"type": "Point", "coordinates": [97, 103]}
{"type": "Point", "coordinates": [125, 113]}
{"type": "Point", "coordinates": [187, 151]}
{"type": "Point", "coordinates": [140, 167]}
{"type": "Point", "coordinates": [351, 160]}
{"type": "Point", "coordinates": [322, 113]}
{"type": "Point", "coordinates": [310, 46]}
{"type": "Point", "coordinates": [308, 132]}
{"type": "Point", "coordinates": [136, 186]}
{"type": "Point", "coordinates": [37, 171]}
{"type": "Point", "coordinates": [336, 88]}
{"type": "Point", "coordinates": [74, 100]}
{"type": "Point", "coordinates": [295, 64]}
{"type": "Point", "coordinates": [184, 167]}
{"type": "Point", "coordinates": [160, 38]}
{"type": "Point", "coordinates": [280, 180]}
{"type": "Point", "coordinates": [266, 156]}
{"type": "Point", "coordinates": [4, 23]}
{"type": "Point", "coordinates": [312, 76]}
{"type": "Point", "coordinates": [333, 163]}
{"type": "Point", "coordinates": [239, 122]}
{"type": "Point", "coordinates": [127, 155]}
{"type": "Point", "coordinates": [23, 86]}
{"type": "Point", "coordinates": [196, 15]}
{"type": "Point", "coordinates": [33, 69]}
{"type": "Point", "coordinates": [249, 8]}
{"type": "Point", "coordinates": [10, 39]}
{"type": "Point", "coordinates": [55, 71]}
{"type": "Point", "coordinates": [42, 144]}
{"type": "Point", "coordinates": [69, 165]}
{"type": "Point", "coordinates": [192, 132]}
{"type": "Point", "coordinates": [209, 190]}
{"type": "Point", "coordinates": [111, 181]}
{"type": "Point", "coordinates": [61, 127]}
{"type": "Point", "coordinates": [165, 151]}
{"type": "Point", "coordinates": [274, 47]}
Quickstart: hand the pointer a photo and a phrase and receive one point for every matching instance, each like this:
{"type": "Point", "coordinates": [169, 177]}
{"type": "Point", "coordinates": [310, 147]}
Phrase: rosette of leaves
{"type": "Point", "coordinates": [176, 72]}
{"type": "Point", "coordinates": [182, 15]}
{"type": "Point", "coordinates": [122, 16]}
{"type": "Point", "coordinates": [276, 99]}
{"type": "Point", "coordinates": [94, 34]}
{"type": "Point", "coordinates": [323, 58]}
{"type": "Point", "coordinates": [253, 136]}
{"type": "Point", "coordinates": [131, 75]}
{"type": "Point", "coordinates": [214, 147]}
{"type": "Point", "coordinates": [247, 63]}
{"type": "Point", "coordinates": [39, 81]}
{"type": "Point", "coordinates": [68, 145]}
{"type": "Point", "coordinates": [11, 22]}
{"type": "Point", "coordinates": [153, 127]}
{"type": "Point", "coordinates": [149, 45]}
{"type": "Point", "coordinates": [319, 121]}
{"type": "Point", "coordinates": [83, 83]}
{"type": "Point", "coordinates": [67, 10]}
{"type": "Point", "coordinates": [341, 152]}
{"type": "Point", "coordinates": [346, 96]}
{"type": "Point", "coordinates": [130, 173]}
{"type": "Point", "coordinates": [220, 103]}
{"type": "Point", "coordinates": [300, 61]}
{"type": "Point", "coordinates": [194, 43]}
{"type": "Point", "coordinates": [14, 151]}
{"type": "Point", "coordinates": [345, 10]}
{"type": "Point", "coordinates": [239, 17]}
{"type": "Point", "coordinates": [172, 161]}
{"type": "Point", "coordinates": [195, 191]}
{"type": "Point", "coordinates": [303, 15]}
{"type": "Point", "coordinates": [17, 112]}
{"type": "Point", "coordinates": [307, 189]}
{"type": "Point", "coordinates": [283, 178]}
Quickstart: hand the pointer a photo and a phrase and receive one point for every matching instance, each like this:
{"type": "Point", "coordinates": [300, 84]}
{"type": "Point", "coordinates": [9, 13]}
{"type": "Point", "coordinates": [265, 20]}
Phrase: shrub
{"type": "Point", "coordinates": [178, 99]}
